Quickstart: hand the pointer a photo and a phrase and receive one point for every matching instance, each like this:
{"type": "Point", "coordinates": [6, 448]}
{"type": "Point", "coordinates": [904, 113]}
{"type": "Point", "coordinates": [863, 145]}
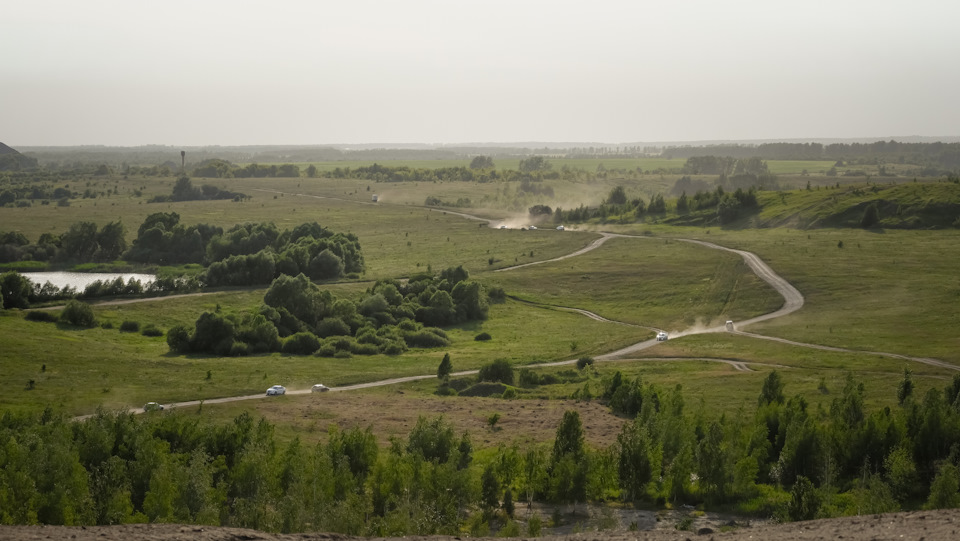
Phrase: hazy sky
{"type": "Point", "coordinates": [233, 72]}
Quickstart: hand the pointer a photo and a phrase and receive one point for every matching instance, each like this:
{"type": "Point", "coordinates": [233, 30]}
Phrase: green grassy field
{"type": "Point", "coordinates": [648, 281]}
{"type": "Point", "coordinates": [889, 290]}
{"type": "Point", "coordinates": [78, 369]}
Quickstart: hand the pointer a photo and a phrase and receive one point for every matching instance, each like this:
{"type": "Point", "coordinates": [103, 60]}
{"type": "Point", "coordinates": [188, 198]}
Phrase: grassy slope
{"type": "Point", "coordinates": [647, 281]}
{"type": "Point", "coordinates": [891, 290]}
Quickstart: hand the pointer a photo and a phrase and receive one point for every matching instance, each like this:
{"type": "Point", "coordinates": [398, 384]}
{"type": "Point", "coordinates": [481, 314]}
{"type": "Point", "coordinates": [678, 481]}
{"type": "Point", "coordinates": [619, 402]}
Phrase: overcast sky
{"type": "Point", "coordinates": [235, 72]}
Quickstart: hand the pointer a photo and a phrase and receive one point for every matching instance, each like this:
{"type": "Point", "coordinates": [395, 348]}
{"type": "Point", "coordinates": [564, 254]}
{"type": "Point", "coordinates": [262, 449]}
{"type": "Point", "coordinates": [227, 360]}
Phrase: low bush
{"type": "Point", "coordinates": [445, 390]}
{"type": "Point", "coordinates": [151, 330]}
{"type": "Point", "coordinates": [78, 314]}
{"type": "Point", "coordinates": [326, 350]}
{"type": "Point", "coordinates": [528, 378]}
{"type": "Point", "coordinates": [499, 370]}
{"type": "Point", "coordinates": [425, 339]}
{"type": "Point", "coordinates": [497, 294]}
{"type": "Point", "coordinates": [393, 348]}
{"type": "Point", "coordinates": [301, 343]}
{"type": "Point", "coordinates": [460, 384]}
{"type": "Point", "coordinates": [482, 337]}
{"type": "Point", "coordinates": [130, 326]}
{"type": "Point", "coordinates": [485, 389]}
{"type": "Point", "coordinates": [41, 315]}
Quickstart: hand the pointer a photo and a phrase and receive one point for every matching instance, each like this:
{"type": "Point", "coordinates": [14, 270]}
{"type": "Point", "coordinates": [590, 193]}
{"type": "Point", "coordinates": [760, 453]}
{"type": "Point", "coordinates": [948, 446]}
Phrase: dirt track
{"type": "Point", "coordinates": [793, 301]}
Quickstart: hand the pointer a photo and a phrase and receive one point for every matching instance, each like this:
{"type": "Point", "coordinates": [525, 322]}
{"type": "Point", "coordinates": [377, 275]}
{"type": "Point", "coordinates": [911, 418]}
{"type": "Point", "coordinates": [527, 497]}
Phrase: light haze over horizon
{"type": "Point", "coordinates": [236, 72]}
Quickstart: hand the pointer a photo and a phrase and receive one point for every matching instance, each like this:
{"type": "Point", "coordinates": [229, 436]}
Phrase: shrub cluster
{"type": "Point", "coordinates": [298, 318]}
{"type": "Point", "coordinates": [184, 190]}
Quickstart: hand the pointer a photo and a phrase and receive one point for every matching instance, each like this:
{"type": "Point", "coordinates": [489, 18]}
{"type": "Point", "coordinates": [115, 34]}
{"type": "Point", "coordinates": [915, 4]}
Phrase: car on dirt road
{"type": "Point", "coordinates": [319, 388]}
{"type": "Point", "coordinates": [661, 336]}
{"type": "Point", "coordinates": [152, 406]}
{"type": "Point", "coordinates": [276, 390]}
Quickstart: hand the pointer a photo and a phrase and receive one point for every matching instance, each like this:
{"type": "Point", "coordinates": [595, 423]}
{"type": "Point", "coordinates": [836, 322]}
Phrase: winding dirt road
{"type": "Point", "coordinates": [793, 301]}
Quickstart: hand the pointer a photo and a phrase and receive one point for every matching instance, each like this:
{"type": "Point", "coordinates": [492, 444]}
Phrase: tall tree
{"type": "Point", "coordinates": [443, 371]}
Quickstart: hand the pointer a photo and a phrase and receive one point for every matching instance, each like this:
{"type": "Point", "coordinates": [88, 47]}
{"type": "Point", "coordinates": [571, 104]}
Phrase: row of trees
{"type": "Point", "coordinates": [382, 173]}
{"type": "Point", "coordinates": [941, 156]}
{"type": "Point", "coordinates": [298, 317]}
{"type": "Point", "coordinates": [217, 168]}
{"type": "Point", "coordinates": [247, 254]}
{"type": "Point", "coordinates": [83, 242]}
{"type": "Point", "coordinates": [781, 459]}
{"type": "Point", "coordinates": [18, 291]}
{"type": "Point", "coordinates": [162, 239]}
{"type": "Point", "coordinates": [723, 206]}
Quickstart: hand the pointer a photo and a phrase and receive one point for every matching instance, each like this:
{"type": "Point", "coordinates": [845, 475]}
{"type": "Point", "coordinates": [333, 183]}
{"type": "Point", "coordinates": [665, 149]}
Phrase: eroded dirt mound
{"type": "Point", "coordinates": [916, 525]}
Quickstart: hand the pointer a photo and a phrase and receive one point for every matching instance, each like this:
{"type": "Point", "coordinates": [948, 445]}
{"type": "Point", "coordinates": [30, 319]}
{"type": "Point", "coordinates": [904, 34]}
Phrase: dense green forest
{"type": "Point", "coordinates": [781, 458]}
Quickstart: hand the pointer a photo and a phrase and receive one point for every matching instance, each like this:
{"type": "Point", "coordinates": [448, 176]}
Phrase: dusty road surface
{"type": "Point", "coordinates": [943, 525]}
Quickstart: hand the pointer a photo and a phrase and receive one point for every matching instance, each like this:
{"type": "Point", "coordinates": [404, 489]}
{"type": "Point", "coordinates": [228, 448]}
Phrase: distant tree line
{"type": "Point", "coordinates": [939, 158]}
{"type": "Point", "coordinates": [728, 207]}
{"type": "Point", "coordinates": [382, 173]}
{"type": "Point", "coordinates": [217, 168]}
{"type": "Point", "coordinates": [298, 317]}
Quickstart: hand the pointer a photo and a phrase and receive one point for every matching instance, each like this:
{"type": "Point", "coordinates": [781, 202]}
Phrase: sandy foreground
{"type": "Point", "coordinates": [915, 525]}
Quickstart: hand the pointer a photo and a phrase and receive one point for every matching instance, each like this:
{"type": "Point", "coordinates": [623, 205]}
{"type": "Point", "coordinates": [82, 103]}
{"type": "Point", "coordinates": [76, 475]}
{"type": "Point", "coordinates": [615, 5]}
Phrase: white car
{"type": "Point", "coordinates": [559, 228]}
{"type": "Point", "coordinates": [533, 228]}
{"type": "Point", "coordinates": [319, 388]}
{"type": "Point", "coordinates": [276, 390]}
{"type": "Point", "coordinates": [661, 336]}
{"type": "Point", "coordinates": [152, 406]}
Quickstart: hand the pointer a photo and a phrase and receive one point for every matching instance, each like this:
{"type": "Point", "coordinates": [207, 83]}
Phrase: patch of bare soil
{"type": "Point", "coordinates": [395, 413]}
{"type": "Point", "coordinates": [916, 526]}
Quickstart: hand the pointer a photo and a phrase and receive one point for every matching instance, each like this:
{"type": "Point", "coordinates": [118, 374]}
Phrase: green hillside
{"type": "Point", "coordinates": [899, 206]}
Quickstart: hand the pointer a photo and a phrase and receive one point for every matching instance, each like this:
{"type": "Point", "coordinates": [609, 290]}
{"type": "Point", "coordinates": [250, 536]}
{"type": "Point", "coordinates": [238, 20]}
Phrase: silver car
{"type": "Point", "coordinates": [319, 388]}
{"type": "Point", "coordinates": [276, 390]}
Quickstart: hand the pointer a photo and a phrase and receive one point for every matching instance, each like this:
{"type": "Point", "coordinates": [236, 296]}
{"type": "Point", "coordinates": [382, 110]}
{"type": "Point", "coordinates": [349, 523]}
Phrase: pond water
{"type": "Point", "coordinates": [80, 280]}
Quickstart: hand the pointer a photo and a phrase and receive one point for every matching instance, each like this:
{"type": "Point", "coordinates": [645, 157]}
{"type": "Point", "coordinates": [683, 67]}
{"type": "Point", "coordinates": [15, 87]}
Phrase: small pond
{"type": "Point", "coordinates": [80, 280]}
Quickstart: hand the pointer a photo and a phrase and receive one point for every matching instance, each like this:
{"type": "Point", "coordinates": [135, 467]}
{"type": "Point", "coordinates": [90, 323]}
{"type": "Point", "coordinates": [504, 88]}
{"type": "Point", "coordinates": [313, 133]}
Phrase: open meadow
{"type": "Point", "coordinates": [890, 291]}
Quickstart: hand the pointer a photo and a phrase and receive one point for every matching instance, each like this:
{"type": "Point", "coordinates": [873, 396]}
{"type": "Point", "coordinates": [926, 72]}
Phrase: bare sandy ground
{"type": "Point", "coordinates": [915, 526]}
